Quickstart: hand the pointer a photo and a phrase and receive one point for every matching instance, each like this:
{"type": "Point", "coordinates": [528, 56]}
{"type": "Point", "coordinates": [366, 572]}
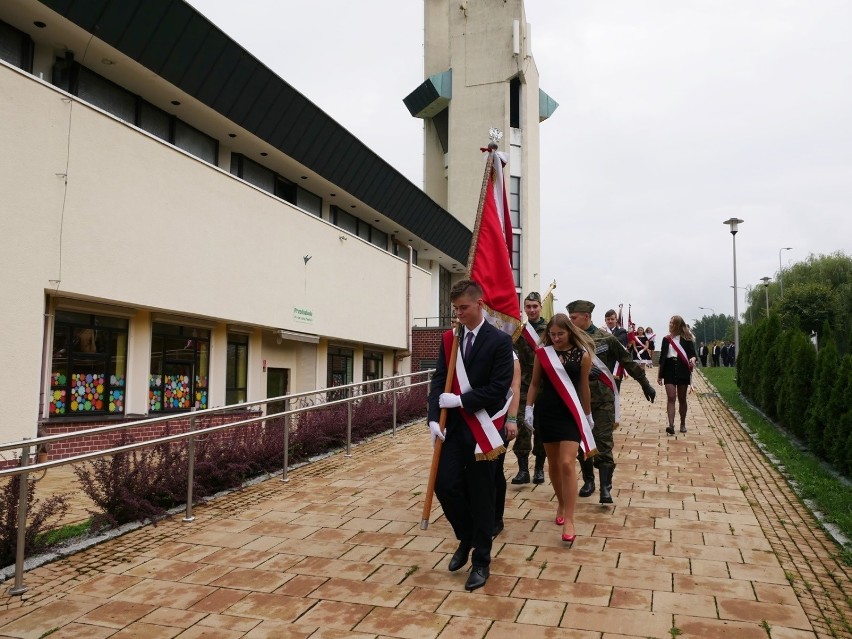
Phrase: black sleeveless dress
{"type": "Point", "coordinates": [553, 420]}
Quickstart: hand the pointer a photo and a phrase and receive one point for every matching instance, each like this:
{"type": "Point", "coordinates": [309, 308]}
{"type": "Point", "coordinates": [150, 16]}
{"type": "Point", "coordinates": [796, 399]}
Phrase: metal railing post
{"type": "Point", "coordinates": [393, 433]}
{"type": "Point", "coordinates": [349, 428]}
{"type": "Point", "coordinates": [284, 477]}
{"type": "Point", "coordinates": [23, 490]}
{"type": "Point", "coordinates": [190, 473]}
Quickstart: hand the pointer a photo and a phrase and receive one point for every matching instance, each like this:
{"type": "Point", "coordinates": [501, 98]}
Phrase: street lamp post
{"type": "Point", "coordinates": [707, 308]}
{"type": "Point", "coordinates": [781, 268]}
{"type": "Point", "coordinates": [734, 223]}
{"type": "Point", "coordinates": [765, 281]}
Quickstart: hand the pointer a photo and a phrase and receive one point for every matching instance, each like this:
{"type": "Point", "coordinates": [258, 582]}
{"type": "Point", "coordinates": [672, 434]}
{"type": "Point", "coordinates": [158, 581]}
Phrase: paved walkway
{"type": "Point", "coordinates": [704, 541]}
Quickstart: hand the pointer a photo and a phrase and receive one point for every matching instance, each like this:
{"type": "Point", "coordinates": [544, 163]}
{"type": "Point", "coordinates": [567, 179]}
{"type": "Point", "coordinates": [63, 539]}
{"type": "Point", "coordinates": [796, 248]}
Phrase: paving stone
{"type": "Point", "coordinates": [330, 554]}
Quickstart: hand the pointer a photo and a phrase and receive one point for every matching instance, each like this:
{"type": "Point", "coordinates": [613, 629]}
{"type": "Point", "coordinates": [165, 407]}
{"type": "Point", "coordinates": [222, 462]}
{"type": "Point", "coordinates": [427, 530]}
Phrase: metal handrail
{"type": "Point", "coordinates": [26, 445]}
{"type": "Point", "coordinates": [99, 430]}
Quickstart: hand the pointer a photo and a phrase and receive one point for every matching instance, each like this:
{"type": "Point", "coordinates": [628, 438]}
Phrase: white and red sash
{"type": "Point", "coordinates": [530, 335]}
{"type": "Point", "coordinates": [557, 375]}
{"type": "Point", "coordinates": [618, 371]}
{"type": "Point", "coordinates": [679, 350]}
{"type": "Point", "coordinates": [485, 429]}
{"type": "Point", "coordinates": [607, 379]}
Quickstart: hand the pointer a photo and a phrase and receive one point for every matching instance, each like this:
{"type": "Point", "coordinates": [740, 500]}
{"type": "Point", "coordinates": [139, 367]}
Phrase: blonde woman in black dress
{"type": "Point", "coordinates": [554, 420]}
{"type": "Point", "coordinates": [677, 359]}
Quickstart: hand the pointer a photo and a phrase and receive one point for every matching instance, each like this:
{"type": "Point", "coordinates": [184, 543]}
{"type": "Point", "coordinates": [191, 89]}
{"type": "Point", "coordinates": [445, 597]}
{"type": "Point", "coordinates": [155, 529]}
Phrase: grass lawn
{"type": "Point", "coordinates": [815, 481]}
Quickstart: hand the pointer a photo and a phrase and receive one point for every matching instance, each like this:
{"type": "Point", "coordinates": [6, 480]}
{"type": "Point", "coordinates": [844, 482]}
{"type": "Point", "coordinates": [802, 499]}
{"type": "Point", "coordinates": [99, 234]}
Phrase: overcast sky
{"type": "Point", "coordinates": [674, 116]}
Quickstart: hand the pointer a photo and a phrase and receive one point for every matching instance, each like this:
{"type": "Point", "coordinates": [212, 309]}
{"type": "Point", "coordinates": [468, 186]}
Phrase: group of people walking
{"type": "Point", "coordinates": [719, 353]}
{"type": "Point", "coordinates": [565, 375]}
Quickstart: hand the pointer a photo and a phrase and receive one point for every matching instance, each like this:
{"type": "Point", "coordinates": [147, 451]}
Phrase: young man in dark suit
{"type": "Point", "coordinates": [465, 486]}
{"type": "Point", "coordinates": [702, 354]}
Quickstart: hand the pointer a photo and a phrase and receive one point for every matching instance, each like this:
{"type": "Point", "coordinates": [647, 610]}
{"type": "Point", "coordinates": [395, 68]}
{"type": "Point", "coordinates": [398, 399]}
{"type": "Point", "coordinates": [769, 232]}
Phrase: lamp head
{"type": "Point", "coordinates": [733, 223]}
{"type": "Point", "coordinates": [765, 280]}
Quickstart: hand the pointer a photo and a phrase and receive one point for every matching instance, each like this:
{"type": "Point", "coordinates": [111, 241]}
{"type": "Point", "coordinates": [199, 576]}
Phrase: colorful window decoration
{"type": "Point", "coordinates": [179, 368]}
{"type": "Point", "coordinates": [88, 365]}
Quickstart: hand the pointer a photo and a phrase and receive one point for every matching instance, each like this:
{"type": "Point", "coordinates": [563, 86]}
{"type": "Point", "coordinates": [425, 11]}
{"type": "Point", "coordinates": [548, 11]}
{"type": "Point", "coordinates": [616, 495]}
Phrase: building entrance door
{"type": "Point", "coordinates": [277, 382]}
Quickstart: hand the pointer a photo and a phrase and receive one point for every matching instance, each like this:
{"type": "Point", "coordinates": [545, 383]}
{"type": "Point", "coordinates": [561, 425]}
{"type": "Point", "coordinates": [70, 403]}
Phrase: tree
{"type": "Point", "coordinates": [769, 364]}
{"type": "Point", "coordinates": [836, 428]}
{"type": "Point", "coordinates": [712, 327]}
{"type": "Point", "coordinates": [827, 363]}
{"type": "Point", "coordinates": [807, 305]}
{"type": "Point", "coordinates": [798, 384]}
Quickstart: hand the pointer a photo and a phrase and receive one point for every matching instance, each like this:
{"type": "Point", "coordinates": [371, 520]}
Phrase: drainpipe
{"type": "Point", "coordinates": [44, 344]}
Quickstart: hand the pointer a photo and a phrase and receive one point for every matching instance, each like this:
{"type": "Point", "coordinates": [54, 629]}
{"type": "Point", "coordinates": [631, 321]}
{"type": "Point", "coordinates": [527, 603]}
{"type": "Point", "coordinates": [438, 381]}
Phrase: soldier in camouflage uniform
{"type": "Point", "coordinates": [609, 350]}
{"type": "Point", "coordinates": [524, 443]}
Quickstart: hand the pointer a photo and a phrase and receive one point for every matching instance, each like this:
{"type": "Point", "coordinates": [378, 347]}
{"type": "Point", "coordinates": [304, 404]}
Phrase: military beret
{"type": "Point", "coordinates": [533, 297]}
{"type": "Point", "coordinates": [580, 306]}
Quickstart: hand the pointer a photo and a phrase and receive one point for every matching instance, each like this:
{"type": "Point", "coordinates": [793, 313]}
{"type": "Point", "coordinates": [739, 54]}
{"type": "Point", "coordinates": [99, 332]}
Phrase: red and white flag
{"type": "Point", "coordinates": [492, 254]}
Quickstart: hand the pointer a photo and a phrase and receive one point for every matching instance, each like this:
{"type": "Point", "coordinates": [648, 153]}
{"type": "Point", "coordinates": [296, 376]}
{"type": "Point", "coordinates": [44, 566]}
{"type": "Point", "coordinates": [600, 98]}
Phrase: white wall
{"type": "Point", "coordinates": [148, 227]}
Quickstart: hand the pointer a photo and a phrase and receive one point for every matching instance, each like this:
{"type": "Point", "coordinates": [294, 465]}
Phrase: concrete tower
{"type": "Point", "coordinates": [480, 73]}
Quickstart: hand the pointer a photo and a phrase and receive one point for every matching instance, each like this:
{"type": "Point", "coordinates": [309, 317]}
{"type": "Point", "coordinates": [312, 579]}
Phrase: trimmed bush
{"type": "Point", "coordinates": [837, 426]}
{"type": "Point", "coordinates": [825, 373]}
{"type": "Point", "coordinates": [146, 483]}
{"type": "Point", "coordinates": [798, 384]}
{"type": "Point", "coordinates": [42, 515]}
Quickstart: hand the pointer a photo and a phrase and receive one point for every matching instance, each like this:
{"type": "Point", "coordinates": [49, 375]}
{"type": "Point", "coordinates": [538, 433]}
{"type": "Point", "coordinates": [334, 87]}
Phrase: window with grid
{"type": "Point", "coordinates": [88, 365]}
{"type": "Point", "coordinates": [236, 369]}
{"type": "Point", "coordinates": [180, 361]}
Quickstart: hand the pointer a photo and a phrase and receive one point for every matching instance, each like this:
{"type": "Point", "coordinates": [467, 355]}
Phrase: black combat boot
{"type": "Point", "coordinates": [523, 476]}
{"type": "Point", "coordinates": [538, 472]}
{"type": "Point", "coordinates": [588, 469]}
{"type": "Point", "coordinates": [605, 472]}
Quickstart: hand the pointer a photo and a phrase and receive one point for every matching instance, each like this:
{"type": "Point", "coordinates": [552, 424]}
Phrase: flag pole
{"type": "Point", "coordinates": [451, 364]}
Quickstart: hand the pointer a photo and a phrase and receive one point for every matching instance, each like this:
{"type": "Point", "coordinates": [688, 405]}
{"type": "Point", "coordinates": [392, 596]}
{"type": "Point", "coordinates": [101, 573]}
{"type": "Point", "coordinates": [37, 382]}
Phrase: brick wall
{"type": "Point", "coordinates": [425, 343]}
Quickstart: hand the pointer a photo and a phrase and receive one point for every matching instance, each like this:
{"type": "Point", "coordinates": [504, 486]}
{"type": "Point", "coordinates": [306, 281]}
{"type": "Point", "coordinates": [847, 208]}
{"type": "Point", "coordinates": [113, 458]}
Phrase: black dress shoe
{"type": "Point", "coordinates": [477, 578]}
{"type": "Point", "coordinates": [498, 528]}
{"type": "Point", "coordinates": [459, 558]}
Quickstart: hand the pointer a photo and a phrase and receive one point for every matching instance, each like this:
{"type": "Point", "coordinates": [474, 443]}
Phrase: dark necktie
{"type": "Point", "coordinates": [468, 342]}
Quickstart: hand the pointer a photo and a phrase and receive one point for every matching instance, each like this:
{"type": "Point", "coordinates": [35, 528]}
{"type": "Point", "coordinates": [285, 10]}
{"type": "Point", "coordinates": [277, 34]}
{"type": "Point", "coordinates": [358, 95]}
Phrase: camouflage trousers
{"type": "Point", "coordinates": [604, 416]}
{"type": "Point", "coordinates": [525, 443]}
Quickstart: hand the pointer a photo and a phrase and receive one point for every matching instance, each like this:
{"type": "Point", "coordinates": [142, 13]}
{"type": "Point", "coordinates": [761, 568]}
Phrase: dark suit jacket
{"type": "Point", "coordinates": [490, 369]}
{"type": "Point", "coordinates": [621, 335]}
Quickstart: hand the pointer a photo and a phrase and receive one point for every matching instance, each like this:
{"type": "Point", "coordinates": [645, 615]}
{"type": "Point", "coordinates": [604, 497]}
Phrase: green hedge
{"type": "Point", "coordinates": [805, 391]}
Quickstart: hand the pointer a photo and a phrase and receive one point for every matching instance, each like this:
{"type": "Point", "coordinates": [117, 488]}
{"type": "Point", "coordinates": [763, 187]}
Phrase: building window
{"type": "Point", "coordinates": [359, 227]}
{"type": "Point", "coordinates": [516, 257]}
{"type": "Point", "coordinates": [105, 94]}
{"type": "Point", "coordinates": [445, 306]}
{"type": "Point", "coordinates": [515, 103]}
{"type": "Point", "coordinates": [373, 364]}
{"type": "Point", "coordinates": [236, 371]}
{"type": "Point", "coordinates": [268, 180]}
{"type": "Point", "coordinates": [309, 202]}
{"type": "Point", "coordinates": [515, 201]}
{"type": "Point", "coordinates": [16, 47]}
{"type": "Point", "coordinates": [180, 359]}
{"type": "Point", "coordinates": [401, 250]}
{"type": "Point", "coordinates": [340, 365]}
{"type": "Point", "coordinates": [131, 108]}
{"type": "Point", "coordinates": [89, 364]}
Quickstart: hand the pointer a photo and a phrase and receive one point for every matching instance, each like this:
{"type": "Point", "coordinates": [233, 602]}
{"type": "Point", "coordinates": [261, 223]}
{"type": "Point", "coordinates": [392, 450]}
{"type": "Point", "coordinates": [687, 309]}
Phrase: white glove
{"type": "Point", "coordinates": [591, 420]}
{"type": "Point", "coordinates": [449, 400]}
{"type": "Point", "coordinates": [435, 431]}
{"type": "Point", "coordinates": [528, 416]}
